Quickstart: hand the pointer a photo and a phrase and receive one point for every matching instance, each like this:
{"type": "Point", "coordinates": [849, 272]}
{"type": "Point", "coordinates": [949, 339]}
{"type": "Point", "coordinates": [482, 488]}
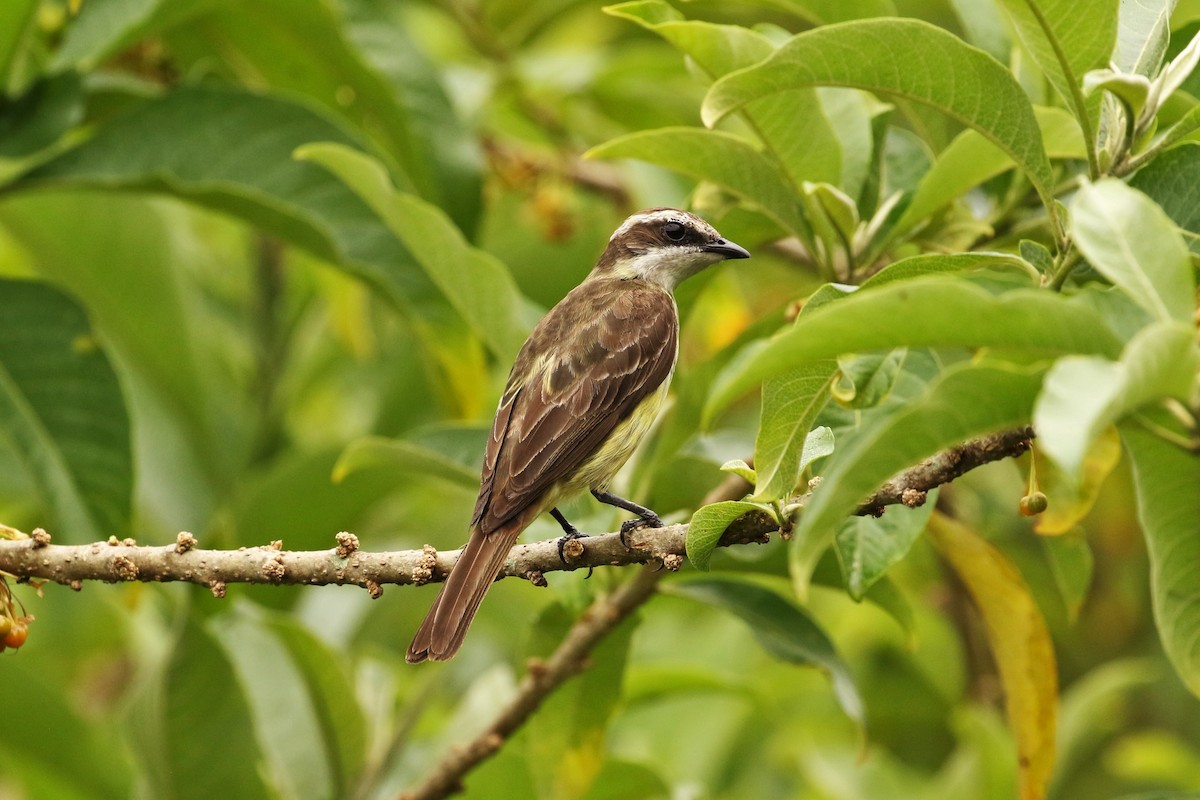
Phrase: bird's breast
{"type": "Point", "coordinates": [601, 466]}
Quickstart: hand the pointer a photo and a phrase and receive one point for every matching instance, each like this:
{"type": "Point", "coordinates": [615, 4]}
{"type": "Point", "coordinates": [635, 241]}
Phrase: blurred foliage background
{"type": "Point", "coordinates": [261, 312]}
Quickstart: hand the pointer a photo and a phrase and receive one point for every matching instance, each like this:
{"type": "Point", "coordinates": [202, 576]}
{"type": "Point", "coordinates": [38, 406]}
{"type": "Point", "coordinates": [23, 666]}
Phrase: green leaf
{"type": "Point", "coordinates": [1064, 49]}
{"type": "Point", "coordinates": [451, 453]}
{"type": "Point", "coordinates": [1133, 243]}
{"type": "Point", "coordinates": [1173, 181]}
{"type": "Point", "coordinates": [92, 763]}
{"type": "Point", "coordinates": [792, 125]}
{"type": "Point", "coordinates": [924, 312]}
{"type": "Point", "coordinates": [716, 156]}
{"type": "Point", "coordinates": [102, 29]}
{"type": "Point", "coordinates": [968, 400]}
{"type": "Point", "coordinates": [333, 696]}
{"type": "Point", "coordinates": [972, 158]}
{"type": "Point", "coordinates": [740, 468]}
{"type": "Point", "coordinates": [284, 719]}
{"type": "Point", "coordinates": [1143, 33]}
{"type": "Point", "coordinates": [911, 60]}
{"type": "Point", "coordinates": [132, 260]}
{"type": "Point", "coordinates": [62, 410]}
{"type": "Point", "coordinates": [1071, 563]}
{"type": "Point", "coordinates": [240, 162]}
{"type": "Point", "coordinates": [790, 404]}
{"type": "Point", "coordinates": [934, 263]}
{"type": "Point", "coordinates": [1084, 395]}
{"type": "Point", "coordinates": [782, 628]}
{"type": "Point", "coordinates": [370, 73]}
{"type": "Point", "coordinates": [1019, 641]}
{"type": "Point", "coordinates": [1166, 478]}
{"type": "Point", "coordinates": [707, 526]}
{"type": "Point", "coordinates": [824, 12]}
{"type": "Point", "coordinates": [479, 287]}
{"type": "Point", "coordinates": [39, 117]}
{"type": "Point", "coordinates": [868, 546]}
{"type": "Point", "coordinates": [202, 719]}
{"type": "Point", "coordinates": [15, 18]}
{"type": "Point", "coordinates": [866, 380]}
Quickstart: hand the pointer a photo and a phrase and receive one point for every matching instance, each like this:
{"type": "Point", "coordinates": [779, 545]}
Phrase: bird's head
{"type": "Point", "coordinates": [664, 246]}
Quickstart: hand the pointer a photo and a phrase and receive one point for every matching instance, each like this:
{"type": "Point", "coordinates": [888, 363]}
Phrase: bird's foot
{"type": "Point", "coordinates": [649, 520]}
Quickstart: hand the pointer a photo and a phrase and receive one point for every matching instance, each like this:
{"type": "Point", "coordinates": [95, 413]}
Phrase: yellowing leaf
{"type": "Point", "coordinates": [1070, 501]}
{"type": "Point", "coordinates": [1020, 645]}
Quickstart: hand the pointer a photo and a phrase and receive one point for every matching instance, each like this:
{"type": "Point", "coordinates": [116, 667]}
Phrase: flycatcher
{"type": "Point", "coordinates": [586, 387]}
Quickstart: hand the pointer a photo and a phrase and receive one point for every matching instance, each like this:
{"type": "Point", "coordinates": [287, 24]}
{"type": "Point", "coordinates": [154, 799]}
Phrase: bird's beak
{"type": "Point", "coordinates": [727, 249]}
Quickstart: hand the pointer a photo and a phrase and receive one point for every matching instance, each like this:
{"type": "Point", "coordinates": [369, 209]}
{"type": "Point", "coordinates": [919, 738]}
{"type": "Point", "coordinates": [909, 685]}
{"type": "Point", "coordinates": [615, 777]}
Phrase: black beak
{"type": "Point", "coordinates": [727, 249]}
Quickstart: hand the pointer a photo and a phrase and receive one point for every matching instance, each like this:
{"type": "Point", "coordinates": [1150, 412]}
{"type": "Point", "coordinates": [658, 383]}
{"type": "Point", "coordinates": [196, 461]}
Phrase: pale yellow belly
{"type": "Point", "coordinates": [599, 469]}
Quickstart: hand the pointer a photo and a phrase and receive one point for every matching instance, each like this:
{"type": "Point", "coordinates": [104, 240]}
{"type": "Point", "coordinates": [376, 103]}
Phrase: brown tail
{"type": "Point", "coordinates": [442, 632]}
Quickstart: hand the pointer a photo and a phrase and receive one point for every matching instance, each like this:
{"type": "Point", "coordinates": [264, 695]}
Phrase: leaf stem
{"type": "Point", "coordinates": [1067, 264]}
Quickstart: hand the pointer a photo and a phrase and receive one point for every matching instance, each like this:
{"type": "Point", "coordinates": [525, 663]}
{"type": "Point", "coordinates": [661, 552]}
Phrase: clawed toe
{"type": "Point", "coordinates": [637, 523]}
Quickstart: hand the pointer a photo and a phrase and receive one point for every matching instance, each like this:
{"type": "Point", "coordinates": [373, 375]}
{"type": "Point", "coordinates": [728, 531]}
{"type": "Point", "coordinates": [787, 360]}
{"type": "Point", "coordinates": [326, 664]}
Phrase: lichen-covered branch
{"type": "Point", "coordinates": [113, 561]}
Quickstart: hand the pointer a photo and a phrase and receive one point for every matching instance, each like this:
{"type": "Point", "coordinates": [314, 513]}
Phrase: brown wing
{"type": "Point", "coordinates": [617, 341]}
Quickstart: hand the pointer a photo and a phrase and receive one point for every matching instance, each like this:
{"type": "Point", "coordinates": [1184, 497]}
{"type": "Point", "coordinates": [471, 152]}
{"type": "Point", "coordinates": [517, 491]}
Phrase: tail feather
{"type": "Point", "coordinates": [446, 624]}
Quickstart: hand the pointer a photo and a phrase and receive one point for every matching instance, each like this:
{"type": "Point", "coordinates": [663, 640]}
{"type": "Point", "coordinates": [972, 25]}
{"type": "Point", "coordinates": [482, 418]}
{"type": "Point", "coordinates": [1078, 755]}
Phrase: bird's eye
{"type": "Point", "coordinates": [674, 231]}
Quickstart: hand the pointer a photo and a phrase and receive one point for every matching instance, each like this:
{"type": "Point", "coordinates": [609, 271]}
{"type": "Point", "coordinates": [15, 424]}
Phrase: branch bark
{"type": "Point", "coordinates": [115, 561]}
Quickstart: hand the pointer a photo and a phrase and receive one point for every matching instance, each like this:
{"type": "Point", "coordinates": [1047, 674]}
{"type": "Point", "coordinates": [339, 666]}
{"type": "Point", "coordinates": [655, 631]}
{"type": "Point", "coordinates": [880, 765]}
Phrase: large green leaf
{"type": "Point", "coordinates": [792, 125]}
{"type": "Point", "coordinates": [62, 410]}
{"type": "Point", "coordinates": [92, 763]}
{"type": "Point", "coordinates": [868, 546]}
{"type": "Point", "coordinates": [933, 263]}
{"type": "Point", "coordinates": [1173, 181]}
{"type": "Point", "coordinates": [790, 404]}
{"type": "Point", "coordinates": [331, 691]}
{"type": "Point", "coordinates": [934, 311]}
{"type": "Point", "coordinates": [285, 720]}
{"type": "Point", "coordinates": [1143, 33]}
{"type": "Point", "coordinates": [450, 452]}
{"type": "Point", "coordinates": [370, 72]}
{"type": "Point", "coordinates": [132, 260]}
{"type": "Point", "coordinates": [15, 17]}
{"type": "Point", "coordinates": [40, 117]}
{"type": "Point", "coordinates": [102, 29]}
{"type": "Point", "coordinates": [1066, 38]}
{"type": "Point", "coordinates": [477, 284]}
{"type": "Point", "coordinates": [721, 157]}
{"type": "Point", "coordinates": [1132, 242]}
{"type": "Point", "coordinates": [240, 162]}
{"type": "Point", "coordinates": [824, 12]}
{"type": "Point", "coordinates": [1084, 395]}
{"type": "Point", "coordinates": [201, 719]}
{"type": "Point", "coordinates": [972, 159]}
{"type": "Point", "coordinates": [968, 400]}
{"type": "Point", "coordinates": [1166, 478]}
{"type": "Point", "coordinates": [908, 59]}
{"type": "Point", "coordinates": [783, 629]}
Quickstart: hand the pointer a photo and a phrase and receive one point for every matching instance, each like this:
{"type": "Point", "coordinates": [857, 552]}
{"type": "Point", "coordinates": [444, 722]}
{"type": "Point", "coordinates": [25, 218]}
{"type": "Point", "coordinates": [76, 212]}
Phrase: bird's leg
{"type": "Point", "coordinates": [569, 532]}
{"type": "Point", "coordinates": [645, 517]}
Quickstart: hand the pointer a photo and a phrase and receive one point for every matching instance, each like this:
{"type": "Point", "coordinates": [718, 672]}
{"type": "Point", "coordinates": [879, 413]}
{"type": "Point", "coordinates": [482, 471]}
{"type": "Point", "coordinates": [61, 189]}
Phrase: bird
{"type": "Point", "coordinates": [584, 390]}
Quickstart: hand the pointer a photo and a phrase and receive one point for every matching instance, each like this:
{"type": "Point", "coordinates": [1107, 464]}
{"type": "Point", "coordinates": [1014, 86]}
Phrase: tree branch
{"type": "Point", "coordinates": [116, 561]}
